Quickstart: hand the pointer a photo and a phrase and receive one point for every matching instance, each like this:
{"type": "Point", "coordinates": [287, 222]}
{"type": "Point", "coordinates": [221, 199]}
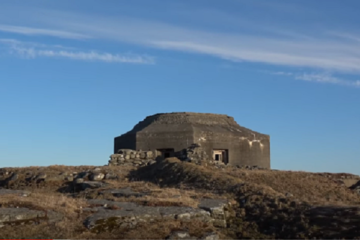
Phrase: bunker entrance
{"type": "Point", "coordinates": [221, 156]}
{"type": "Point", "coordinates": [167, 152]}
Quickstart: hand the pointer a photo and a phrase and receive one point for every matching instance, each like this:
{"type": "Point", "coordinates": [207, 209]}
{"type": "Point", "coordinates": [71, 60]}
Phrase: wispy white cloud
{"type": "Point", "coordinates": [346, 36]}
{"type": "Point", "coordinates": [34, 50]}
{"type": "Point", "coordinates": [299, 49]}
{"type": "Point", "coordinates": [14, 42]}
{"type": "Point", "coordinates": [313, 50]}
{"type": "Point", "coordinates": [41, 31]}
{"type": "Point", "coordinates": [322, 77]}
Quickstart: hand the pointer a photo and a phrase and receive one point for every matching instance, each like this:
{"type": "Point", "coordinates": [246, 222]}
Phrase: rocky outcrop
{"type": "Point", "coordinates": [123, 192]}
{"type": "Point", "coordinates": [128, 215]}
{"type": "Point", "coordinates": [21, 216]}
{"type": "Point", "coordinates": [219, 209]}
{"type": "Point", "coordinates": [22, 193]}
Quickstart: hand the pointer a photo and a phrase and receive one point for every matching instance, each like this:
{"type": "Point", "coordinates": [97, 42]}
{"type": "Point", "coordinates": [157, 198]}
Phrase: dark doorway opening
{"type": "Point", "coordinates": [167, 152]}
{"type": "Point", "coordinates": [221, 155]}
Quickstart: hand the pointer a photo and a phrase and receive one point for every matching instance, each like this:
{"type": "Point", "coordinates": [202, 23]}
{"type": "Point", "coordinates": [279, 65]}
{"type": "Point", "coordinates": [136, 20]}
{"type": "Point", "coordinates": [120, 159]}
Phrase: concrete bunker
{"type": "Point", "coordinates": [198, 137]}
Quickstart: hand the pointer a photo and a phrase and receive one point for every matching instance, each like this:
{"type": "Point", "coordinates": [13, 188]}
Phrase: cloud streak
{"type": "Point", "coordinates": [316, 50]}
{"type": "Point", "coordinates": [41, 31]}
{"type": "Point", "coordinates": [34, 50]}
{"type": "Point", "coordinates": [324, 51]}
{"type": "Point", "coordinates": [320, 78]}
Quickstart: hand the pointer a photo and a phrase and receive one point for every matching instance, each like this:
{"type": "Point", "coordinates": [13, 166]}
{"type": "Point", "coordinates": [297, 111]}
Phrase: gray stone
{"type": "Point", "coordinates": [213, 205]}
{"type": "Point", "coordinates": [113, 161]}
{"type": "Point", "coordinates": [124, 192]}
{"type": "Point", "coordinates": [219, 223]}
{"type": "Point", "coordinates": [179, 235]}
{"type": "Point", "coordinates": [149, 154]}
{"type": "Point", "coordinates": [82, 175]}
{"type": "Point", "coordinates": [41, 176]}
{"type": "Point", "coordinates": [127, 211]}
{"type": "Point", "coordinates": [69, 178]}
{"type": "Point", "coordinates": [288, 194]}
{"type": "Point", "coordinates": [14, 177]}
{"type": "Point", "coordinates": [97, 176]}
{"type": "Point", "coordinates": [91, 184]}
{"type": "Point", "coordinates": [110, 176]}
{"type": "Point", "coordinates": [210, 236]}
{"type": "Point", "coordinates": [217, 209]}
{"type": "Point", "coordinates": [79, 180]}
{"type": "Point", "coordinates": [129, 206]}
{"type": "Point", "coordinates": [16, 214]}
{"type": "Point", "coordinates": [54, 217]}
{"type": "Point", "coordinates": [151, 162]}
{"type": "Point", "coordinates": [55, 178]}
{"type": "Point", "coordinates": [142, 155]}
{"type": "Point", "coordinates": [22, 193]}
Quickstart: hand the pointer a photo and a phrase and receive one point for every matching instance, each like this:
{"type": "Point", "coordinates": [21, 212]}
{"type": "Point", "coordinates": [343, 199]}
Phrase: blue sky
{"type": "Point", "coordinates": [75, 74]}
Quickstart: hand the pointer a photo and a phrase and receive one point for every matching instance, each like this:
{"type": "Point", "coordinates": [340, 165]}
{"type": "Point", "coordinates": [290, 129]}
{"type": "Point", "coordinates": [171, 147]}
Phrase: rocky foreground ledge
{"type": "Point", "coordinates": [170, 199]}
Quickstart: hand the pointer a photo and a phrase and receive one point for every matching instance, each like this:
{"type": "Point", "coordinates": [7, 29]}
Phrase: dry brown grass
{"type": "Point", "coordinates": [68, 227]}
{"type": "Point", "coordinates": [155, 230]}
{"type": "Point", "coordinates": [310, 187]}
{"type": "Point", "coordinates": [49, 201]}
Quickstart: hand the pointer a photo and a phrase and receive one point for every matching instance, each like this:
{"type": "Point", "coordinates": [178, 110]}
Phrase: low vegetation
{"type": "Point", "coordinates": [264, 203]}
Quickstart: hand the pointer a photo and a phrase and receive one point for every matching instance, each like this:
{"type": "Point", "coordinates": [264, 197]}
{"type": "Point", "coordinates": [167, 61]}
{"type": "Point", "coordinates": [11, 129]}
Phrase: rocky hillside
{"type": "Point", "coordinates": [170, 199]}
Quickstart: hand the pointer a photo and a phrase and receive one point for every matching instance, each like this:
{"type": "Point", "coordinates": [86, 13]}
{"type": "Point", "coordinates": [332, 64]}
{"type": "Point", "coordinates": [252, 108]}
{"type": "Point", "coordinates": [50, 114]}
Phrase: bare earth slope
{"type": "Point", "coordinates": [174, 199]}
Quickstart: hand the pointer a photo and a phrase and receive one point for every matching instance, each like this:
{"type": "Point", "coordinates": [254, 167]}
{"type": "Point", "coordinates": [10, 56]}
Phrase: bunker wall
{"type": "Point", "coordinates": [171, 140]}
{"type": "Point", "coordinates": [241, 150]}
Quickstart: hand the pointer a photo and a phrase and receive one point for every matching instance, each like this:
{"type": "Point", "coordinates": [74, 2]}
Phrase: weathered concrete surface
{"type": "Point", "coordinates": [178, 131]}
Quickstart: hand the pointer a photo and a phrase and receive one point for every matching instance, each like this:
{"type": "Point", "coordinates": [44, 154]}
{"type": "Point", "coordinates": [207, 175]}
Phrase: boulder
{"type": "Point", "coordinates": [142, 155]}
{"type": "Point", "coordinates": [218, 209]}
{"type": "Point", "coordinates": [210, 236]}
{"type": "Point", "coordinates": [96, 176]}
{"type": "Point", "coordinates": [149, 154]}
{"type": "Point", "coordinates": [79, 180]}
{"type": "Point", "coordinates": [179, 235]}
{"type": "Point", "coordinates": [41, 176]}
{"type": "Point", "coordinates": [151, 162]}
